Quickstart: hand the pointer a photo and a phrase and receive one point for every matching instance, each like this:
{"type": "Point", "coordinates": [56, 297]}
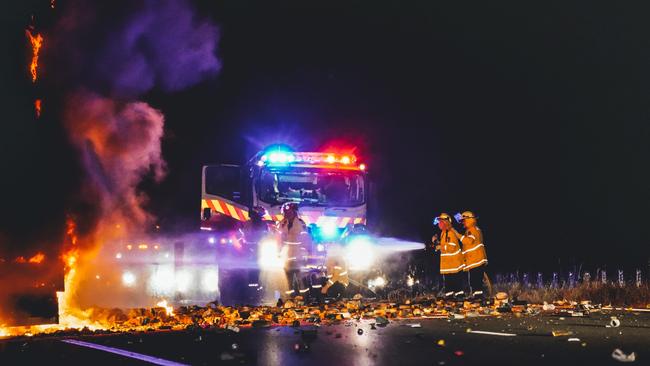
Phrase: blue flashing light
{"type": "Point", "coordinates": [277, 155]}
{"type": "Point", "coordinates": [279, 158]}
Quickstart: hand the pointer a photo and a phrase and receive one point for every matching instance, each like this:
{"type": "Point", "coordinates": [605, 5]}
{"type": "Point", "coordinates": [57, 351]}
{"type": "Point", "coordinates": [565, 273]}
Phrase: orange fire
{"type": "Point", "coordinates": [37, 108]}
{"type": "Point", "coordinates": [37, 258]}
{"type": "Point", "coordinates": [71, 231]}
{"type": "Point", "coordinates": [71, 254]}
{"type": "Point", "coordinates": [36, 42]}
{"type": "Point", "coordinates": [169, 310]}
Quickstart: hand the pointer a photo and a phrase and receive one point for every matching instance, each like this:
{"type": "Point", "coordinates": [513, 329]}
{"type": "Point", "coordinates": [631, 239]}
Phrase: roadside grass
{"type": "Point", "coordinates": [596, 292]}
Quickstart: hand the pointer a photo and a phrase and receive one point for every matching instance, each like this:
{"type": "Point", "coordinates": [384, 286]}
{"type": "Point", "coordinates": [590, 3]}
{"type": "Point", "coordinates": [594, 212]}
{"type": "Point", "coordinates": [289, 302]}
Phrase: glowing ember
{"type": "Point", "coordinates": [36, 259]}
{"type": "Point", "coordinates": [37, 108]}
{"type": "Point", "coordinates": [168, 309]}
{"type": "Point", "coordinates": [71, 231]}
{"type": "Point", "coordinates": [36, 42]}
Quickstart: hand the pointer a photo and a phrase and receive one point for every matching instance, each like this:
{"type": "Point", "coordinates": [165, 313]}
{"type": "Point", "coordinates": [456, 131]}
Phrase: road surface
{"type": "Point", "coordinates": [396, 344]}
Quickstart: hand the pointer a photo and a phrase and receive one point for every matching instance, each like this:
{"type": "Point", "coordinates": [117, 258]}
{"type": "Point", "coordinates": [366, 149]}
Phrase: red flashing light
{"type": "Point", "coordinates": [362, 166]}
{"type": "Point", "coordinates": [330, 159]}
{"type": "Point", "coordinates": [345, 159]}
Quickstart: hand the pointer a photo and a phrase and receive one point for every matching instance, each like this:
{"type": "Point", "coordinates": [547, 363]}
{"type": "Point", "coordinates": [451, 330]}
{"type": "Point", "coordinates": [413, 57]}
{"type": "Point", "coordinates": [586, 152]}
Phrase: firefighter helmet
{"type": "Point", "coordinates": [443, 216]}
{"type": "Point", "coordinates": [465, 215]}
{"type": "Point", "coordinates": [289, 206]}
{"type": "Point", "coordinates": [466, 218]}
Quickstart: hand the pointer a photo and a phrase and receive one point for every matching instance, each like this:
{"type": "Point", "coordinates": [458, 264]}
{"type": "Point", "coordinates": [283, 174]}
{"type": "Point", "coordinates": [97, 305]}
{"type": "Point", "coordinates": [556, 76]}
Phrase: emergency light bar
{"type": "Point", "coordinates": [275, 158]}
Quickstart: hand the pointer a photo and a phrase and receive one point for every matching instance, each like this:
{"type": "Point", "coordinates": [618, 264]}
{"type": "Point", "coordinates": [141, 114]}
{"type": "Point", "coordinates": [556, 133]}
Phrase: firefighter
{"type": "Point", "coordinates": [255, 228]}
{"type": "Point", "coordinates": [451, 256]}
{"type": "Point", "coordinates": [474, 252]}
{"type": "Point", "coordinates": [292, 229]}
{"type": "Point", "coordinates": [337, 277]}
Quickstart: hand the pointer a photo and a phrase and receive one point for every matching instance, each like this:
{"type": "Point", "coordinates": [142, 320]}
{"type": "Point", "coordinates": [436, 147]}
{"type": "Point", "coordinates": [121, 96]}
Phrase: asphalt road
{"type": "Point", "coordinates": [395, 344]}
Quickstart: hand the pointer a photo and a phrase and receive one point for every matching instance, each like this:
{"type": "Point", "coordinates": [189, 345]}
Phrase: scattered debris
{"type": "Point", "coordinates": [459, 353]}
{"type": "Point", "coordinates": [548, 307]}
{"type": "Point", "coordinates": [441, 343]}
{"type": "Point", "coordinates": [381, 321]}
{"type": "Point", "coordinates": [561, 333]}
{"type": "Point", "coordinates": [573, 339]}
{"type": "Point", "coordinates": [297, 313]}
{"type": "Point", "coordinates": [620, 356]}
{"type": "Point", "coordinates": [614, 323]}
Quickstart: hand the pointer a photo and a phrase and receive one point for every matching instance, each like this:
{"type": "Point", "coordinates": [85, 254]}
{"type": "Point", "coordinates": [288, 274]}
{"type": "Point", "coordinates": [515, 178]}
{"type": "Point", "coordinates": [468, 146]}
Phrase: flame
{"type": "Point", "coordinates": [37, 107]}
{"type": "Point", "coordinates": [69, 315]}
{"type": "Point", "coordinates": [37, 258]}
{"type": "Point", "coordinates": [168, 308]}
{"type": "Point", "coordinates": [36, 42]}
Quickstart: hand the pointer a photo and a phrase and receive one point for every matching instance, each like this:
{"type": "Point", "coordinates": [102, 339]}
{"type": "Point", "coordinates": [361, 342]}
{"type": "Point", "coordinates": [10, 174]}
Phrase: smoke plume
{"type": "Point", "coordinates": [116, 53]}
{"type": "Point", "coordinates": [112, 54]}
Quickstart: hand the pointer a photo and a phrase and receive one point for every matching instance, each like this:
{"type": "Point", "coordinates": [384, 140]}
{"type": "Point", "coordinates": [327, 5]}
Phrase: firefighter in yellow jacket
{"type": "Point", "coordinates": [292, 231]}
{"type": "Point", "coordinates": [451, 256]}
{"type": "Point", "coordinates": [473, 251]}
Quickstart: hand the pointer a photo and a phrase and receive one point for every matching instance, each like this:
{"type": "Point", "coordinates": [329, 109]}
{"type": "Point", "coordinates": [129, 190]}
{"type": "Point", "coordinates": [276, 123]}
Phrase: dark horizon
{"type": "Point", "coordinates": [535, 119]}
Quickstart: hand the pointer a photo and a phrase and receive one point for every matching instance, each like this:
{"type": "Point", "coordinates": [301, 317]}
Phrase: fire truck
{"type": "Point", "coordinates": [332, 190]}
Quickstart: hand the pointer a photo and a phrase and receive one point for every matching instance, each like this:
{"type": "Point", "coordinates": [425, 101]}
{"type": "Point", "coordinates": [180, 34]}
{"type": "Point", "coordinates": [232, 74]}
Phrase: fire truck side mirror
{"type": "Point", "coordinates": [207, 213]}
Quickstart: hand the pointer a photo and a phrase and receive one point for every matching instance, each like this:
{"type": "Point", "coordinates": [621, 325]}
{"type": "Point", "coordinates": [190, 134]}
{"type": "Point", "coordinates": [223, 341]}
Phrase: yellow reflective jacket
{"type": "Point", "coordinates": [451, 256]}
{"type": "Point", "coordinates": [473, 248]}
{"type": "Point", "coordinates": [292, 242]}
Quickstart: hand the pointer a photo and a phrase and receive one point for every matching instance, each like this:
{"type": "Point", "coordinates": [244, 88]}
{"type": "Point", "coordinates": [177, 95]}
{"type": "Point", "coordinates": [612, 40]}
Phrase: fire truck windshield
{"type": "Point", "coordinates": [316, 187]}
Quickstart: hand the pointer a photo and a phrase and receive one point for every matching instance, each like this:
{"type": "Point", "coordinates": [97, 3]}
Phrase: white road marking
{"type": "Point", "coordinates": [493, 333]}
{"type": "Point", "coordinates": [117, 351]}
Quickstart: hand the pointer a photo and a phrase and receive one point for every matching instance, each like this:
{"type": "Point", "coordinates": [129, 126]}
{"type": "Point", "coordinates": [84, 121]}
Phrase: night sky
{"type": "Point", "coordinates": [535, 118]}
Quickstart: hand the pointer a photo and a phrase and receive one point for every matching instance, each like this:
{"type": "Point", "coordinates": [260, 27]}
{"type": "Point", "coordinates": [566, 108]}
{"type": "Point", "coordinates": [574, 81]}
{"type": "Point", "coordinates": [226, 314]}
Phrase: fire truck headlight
{"type": "Point", "coordinates": [359, 253]}
{"type": "Point", "coordinates": [128, 279]}
{"type": "Point", "coordinates": [162, 280]}
{"type": "Point", "coordinates": [268, 256]}
{"type": "Point", "coordinates": [210, 281]}
{"type": "Point", "coordinates": [329, 230]}
{"type": "Point", "coordinates": [183, 281]}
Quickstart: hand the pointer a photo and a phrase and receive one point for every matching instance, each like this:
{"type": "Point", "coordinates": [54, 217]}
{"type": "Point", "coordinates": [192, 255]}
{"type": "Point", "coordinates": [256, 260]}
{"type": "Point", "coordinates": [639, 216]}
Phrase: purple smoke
{"type": "Point", "coordinates": [161, 43]}
{"type": "Point", "coordinates": [112, 52]}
